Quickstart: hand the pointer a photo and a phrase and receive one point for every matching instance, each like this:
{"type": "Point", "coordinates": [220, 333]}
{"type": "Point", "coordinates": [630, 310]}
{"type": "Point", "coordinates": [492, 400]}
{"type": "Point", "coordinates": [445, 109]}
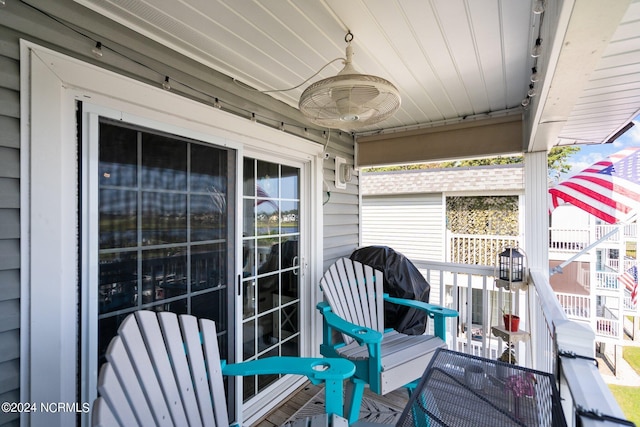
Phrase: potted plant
{"type": "Point", "coordinates": [508, 355]}
{"type": "Point", "coordinates": [511, 321]}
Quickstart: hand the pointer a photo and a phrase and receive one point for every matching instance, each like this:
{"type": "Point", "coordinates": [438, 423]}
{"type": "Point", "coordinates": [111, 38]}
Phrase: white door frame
{"type": "Point", "coordinates": [51, 83]}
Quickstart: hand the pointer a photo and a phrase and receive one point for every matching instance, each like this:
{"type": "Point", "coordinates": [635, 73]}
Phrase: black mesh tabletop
{"type": "Point", "coordinates": [458, 389]}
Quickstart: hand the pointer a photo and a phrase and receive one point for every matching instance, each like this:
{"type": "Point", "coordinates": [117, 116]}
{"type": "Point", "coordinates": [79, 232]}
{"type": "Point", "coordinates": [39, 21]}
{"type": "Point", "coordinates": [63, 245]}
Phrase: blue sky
{"type": "Point", "coordinates": [590, 154]}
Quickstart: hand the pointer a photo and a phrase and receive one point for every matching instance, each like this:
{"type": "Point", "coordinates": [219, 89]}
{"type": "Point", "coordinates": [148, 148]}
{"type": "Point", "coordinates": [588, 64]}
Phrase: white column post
{"type": "Point", "coordinates": [536, 231]}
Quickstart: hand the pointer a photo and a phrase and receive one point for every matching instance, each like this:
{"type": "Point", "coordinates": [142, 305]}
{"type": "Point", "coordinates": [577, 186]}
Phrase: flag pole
{"type": "Point", "coordinates": [558, 269]}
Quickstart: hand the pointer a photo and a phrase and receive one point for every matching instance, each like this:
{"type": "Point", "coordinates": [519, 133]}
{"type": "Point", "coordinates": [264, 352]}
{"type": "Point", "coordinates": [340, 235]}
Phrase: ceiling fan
{"type": "Point", "coordinates": [349, 100]}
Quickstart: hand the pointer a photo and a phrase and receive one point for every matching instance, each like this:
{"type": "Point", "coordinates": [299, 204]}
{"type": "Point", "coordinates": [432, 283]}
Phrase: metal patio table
{"type": "Point", "coordinates": [458, 389]}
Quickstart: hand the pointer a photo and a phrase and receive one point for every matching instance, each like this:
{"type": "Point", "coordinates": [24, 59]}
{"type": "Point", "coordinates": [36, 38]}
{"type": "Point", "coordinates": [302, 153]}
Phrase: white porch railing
{"type": "Point", "coordinates": [629, 231]}
{"type": "Point", "coordinates": [575, 306]}
{"type": "Point", "coordinates": [568, 240]}
{"type": "Point", "coordinates": [552, 333]}
{"type": "Point", "coordinates": [607, 281]}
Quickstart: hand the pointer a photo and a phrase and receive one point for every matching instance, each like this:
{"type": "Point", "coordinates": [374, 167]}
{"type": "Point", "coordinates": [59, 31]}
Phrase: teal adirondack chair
{"type": "Point", "coordinates": [385, 359]}
{"type": "Point", "coordinates": [165, 370]}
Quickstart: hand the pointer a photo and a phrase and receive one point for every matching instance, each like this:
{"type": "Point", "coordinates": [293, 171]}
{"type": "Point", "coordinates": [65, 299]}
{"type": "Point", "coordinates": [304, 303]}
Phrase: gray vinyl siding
{"type": "Point", "coordinates": [412, 225]}
{"type": "Point", "coordinates": [9, 224]}
{"type": "Point", "coordinates": [341, 212]}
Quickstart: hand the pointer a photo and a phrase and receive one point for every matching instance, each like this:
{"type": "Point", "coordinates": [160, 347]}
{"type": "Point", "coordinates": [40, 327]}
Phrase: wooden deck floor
{"type": "Point", "coordinates": [298, 399]}
{"type": "Point", "coordinates": [286, 409]}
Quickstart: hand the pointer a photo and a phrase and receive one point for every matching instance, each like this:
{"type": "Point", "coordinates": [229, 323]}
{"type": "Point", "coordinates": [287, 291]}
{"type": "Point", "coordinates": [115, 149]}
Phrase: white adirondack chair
{"type": "Point", "coordinates": [165, 370]}
{"type": "Point", "coordinates": [384, 359]}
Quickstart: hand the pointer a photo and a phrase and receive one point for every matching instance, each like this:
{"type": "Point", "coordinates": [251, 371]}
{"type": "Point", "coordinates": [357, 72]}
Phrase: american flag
{"type": "Point", "coordinates": [609, 189]}
{"type": "Point", "coordinates": [630, 281]}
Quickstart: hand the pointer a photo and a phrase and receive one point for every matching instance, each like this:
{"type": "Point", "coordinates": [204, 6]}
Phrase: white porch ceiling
{"type": "Point", "coordinates": [451, 60]}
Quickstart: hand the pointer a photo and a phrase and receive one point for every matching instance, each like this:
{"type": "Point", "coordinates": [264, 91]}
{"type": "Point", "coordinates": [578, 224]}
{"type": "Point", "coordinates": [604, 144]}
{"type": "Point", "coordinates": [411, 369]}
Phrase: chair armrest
{"type": "Point", "coordinates": [361, 334]}
{"type": "Point", "coordinates": [317, 369]}
{"type": "Point", "coordinates": [436, 312]}
{"type": "Point", "coordinates": [330, 372]}
{"type": "Point", "coordinates": [432, 309]}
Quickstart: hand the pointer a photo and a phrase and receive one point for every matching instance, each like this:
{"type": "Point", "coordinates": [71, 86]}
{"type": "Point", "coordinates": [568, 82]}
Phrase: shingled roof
{"type": "Point", "coordinates": [483, 180]}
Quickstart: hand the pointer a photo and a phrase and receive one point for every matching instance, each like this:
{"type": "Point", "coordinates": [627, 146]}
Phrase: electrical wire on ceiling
{"type": "Point", "coordinates": [171, 83]}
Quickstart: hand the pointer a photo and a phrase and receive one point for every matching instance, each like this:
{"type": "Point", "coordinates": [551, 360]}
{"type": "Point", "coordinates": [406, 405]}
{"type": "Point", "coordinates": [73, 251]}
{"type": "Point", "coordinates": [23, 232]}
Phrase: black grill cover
{"type": "Point", "coordinates": [402, 280]}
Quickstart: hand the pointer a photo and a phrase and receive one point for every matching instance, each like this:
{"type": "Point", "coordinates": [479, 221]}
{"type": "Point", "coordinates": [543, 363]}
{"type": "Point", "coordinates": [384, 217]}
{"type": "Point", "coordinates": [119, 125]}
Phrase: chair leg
{"type": "Point", "coordinates": [333, 397]}
{"type": "Point", "coordinates": [354, 390]}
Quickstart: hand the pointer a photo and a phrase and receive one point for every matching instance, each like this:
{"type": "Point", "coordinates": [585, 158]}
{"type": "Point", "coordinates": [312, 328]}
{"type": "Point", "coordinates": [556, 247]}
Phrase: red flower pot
{"type": "Point", "coordinates": [511, 322]}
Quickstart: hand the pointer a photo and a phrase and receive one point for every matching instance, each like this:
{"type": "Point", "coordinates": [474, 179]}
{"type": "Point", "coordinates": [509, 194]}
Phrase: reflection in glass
{"type": "Point", "coordinates": [208, 266]}
{"type": "Point", "coordinates": [249, 342]}
{"type": "Point", "coordinates": [268, 255]}
{"type": "Point", "coordinates": [164, 274]}
{"type": "Point", "coordinates": [291, 268]}
{"type": "Point", "coordinates": [267, 218]}
{"type": "Point", "coordinates": [249, 180]}
{"type": "Point", "coordinates": [249, 299]}
{"type": "Point", "coordinates": [271, 269]}
{"type": "Point", "coordinates": [267, 180]}
{"type": "Point", "coordinates": [164, 163]}
{"type": "Point", "coordinates": [118, 156]}
{"type": "Point", "coordinates": [249, 209]}
{"type": "Point", "coordinates": [163, 228]}
{"type": "Point", "coordinates": [248, 387]}
{"type": "Point", "coordinates": [117, 288]}
{"type": "Point", "coordinates": [211, 305]}
{"type": "Point", "coordinates": [290, 347]}
{"type": "Point", "coordinates": [289, 182]}
{"type": "Point", "coordinates": [267, 332]}
{"type": "Point", "coordinates": [290, 216]}
{"type": "Point", "coordinates": [208, 217]}
{"type": "Point", "coordinates": [268, 292]}
{"type": "Point", "coordinates": [118, 218]}
{"type": "Point", "coordinates": [289, 321]}
{"type": "Point", "coordinates": [208, 170]}
{"type": "Point", "coordinates": [164, 218]}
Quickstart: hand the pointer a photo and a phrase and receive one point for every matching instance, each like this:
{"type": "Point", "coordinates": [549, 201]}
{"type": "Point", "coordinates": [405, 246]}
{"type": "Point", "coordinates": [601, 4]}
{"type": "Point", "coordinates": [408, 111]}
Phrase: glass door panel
{"type": "Point", "coordinates": [165, 229]}
{"type": "Point", "coordinates": [271, 271]}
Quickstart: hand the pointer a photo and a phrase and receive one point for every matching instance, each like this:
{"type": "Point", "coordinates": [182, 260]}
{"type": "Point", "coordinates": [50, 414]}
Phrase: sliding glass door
{"type": "Point", "coordinates": [271, 267]}
{"type": "Point", "coordinates": [165, 229]}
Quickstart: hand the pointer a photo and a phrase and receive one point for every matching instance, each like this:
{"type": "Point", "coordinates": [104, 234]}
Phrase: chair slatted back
{"type": "Point", "coordinates": [355, 293]}
{"type": "Point", "coordinates": [162, 370]}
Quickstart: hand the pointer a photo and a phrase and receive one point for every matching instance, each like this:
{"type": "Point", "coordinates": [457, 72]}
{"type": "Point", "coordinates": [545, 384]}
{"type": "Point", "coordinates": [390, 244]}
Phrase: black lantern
{"type": "Point", "coordinates": [511, 265]}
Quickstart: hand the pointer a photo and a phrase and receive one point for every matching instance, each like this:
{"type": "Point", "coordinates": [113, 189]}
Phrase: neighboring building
{"type": "Point", "coordinates": [408, 210]}
{"type": "Point", "coordinates": [587, 280]}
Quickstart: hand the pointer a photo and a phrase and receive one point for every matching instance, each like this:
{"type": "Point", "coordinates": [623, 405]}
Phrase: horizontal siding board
{"type": "Point", "coordinates": [338, 240]}
{"type": "Point", "coordinates": [9, 345]}
{"type": "Point", "coordinates": [9, 162]}
{"type": "Point", "coordinates": [9, 254]}
{"type": "Point", "coordinates": [9, 193]}
{"type": "Point", "coordinates": [340, 230]}
{"type": "Point", "coordinates": [9, 43]}
{"type": "Point", "coordinates": [9, 315]}
{"type": "Point", "coordinates": [9, 102]}
{"type": "Point", "coordinates": [342, 198]}
{"type": "Point", "coordinates": [9, 284]}
{"type": "Point", "coordinates": [10, 419]}
{"type": "Point", "coordinates": [9, 73]}
{"type": "Point", "coordinates": [411, 225]}
{"type": "Point", "coordinates": [10, 135]}
{"type": "Point", "coordinates": [340, 209]}
{"type": "Point", "coordinates": [9, 376]}
{"type": "Point", "coordinates": [9, 224]}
